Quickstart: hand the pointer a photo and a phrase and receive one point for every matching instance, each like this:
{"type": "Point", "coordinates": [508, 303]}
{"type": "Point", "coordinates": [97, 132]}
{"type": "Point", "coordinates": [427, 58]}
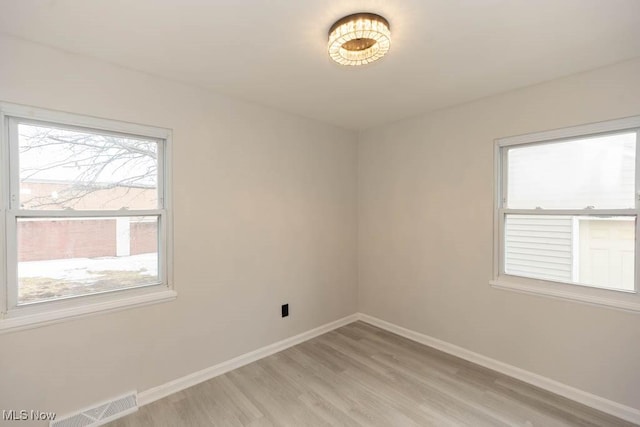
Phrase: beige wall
{"type": "Point", "coordinates": [265, 213]}
{"type": "Point", "coordinates": [425, 236]}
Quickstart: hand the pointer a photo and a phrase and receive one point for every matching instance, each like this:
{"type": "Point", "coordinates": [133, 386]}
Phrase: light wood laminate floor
{"type": "Point", "coordinates": [360, 375]}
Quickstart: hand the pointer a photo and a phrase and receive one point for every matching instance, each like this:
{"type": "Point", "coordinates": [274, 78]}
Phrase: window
{"type": "Point", "coordinates": [86, 212]}
{"type": "Point", "coordinates": [567, 206]}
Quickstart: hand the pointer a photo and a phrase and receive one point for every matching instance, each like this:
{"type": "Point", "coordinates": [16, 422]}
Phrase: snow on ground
{"type": "Point", "coordinates": [81, 269]}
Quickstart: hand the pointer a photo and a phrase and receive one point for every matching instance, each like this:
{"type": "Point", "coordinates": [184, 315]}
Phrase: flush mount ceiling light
{"type": "Point", "coordinates": [359, 39]}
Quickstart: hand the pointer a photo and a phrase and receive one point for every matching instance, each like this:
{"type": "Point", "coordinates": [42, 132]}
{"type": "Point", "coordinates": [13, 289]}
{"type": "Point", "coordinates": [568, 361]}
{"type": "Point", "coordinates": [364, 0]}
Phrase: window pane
{"type": "Point", "coordinates": [597, 171]}
{"type": "Point", "coordinates": [595, 251]}
{"type": "Point", "coordinates": [68, 257]}
{"type": "Point", "coordinates": [65, 168]}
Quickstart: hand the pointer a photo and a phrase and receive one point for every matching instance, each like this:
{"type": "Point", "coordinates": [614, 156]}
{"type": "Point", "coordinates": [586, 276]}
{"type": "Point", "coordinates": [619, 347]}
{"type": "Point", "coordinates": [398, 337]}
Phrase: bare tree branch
{"type": "Point", "coordinates": [82, 164]}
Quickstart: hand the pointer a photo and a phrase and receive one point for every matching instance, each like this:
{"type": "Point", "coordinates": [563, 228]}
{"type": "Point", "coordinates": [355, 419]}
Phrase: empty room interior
{"type": "Point", "coordinates": [320, 213]}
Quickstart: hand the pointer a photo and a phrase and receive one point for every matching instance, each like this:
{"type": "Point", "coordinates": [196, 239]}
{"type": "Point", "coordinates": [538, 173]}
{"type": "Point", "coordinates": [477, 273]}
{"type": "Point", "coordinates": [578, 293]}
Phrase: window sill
{"type": "Point", "coordinates": [626, 302]}
{"type": "Point", "coordinates": [14, 322]}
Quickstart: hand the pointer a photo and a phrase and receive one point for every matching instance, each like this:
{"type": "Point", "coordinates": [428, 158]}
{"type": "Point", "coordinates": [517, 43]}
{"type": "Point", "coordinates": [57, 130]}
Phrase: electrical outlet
{"type": "Point", "coordinates": [285, 310]}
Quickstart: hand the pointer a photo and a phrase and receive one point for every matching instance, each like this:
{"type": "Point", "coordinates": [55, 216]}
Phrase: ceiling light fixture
{"type": "Point", "coordinates": [359, 39]}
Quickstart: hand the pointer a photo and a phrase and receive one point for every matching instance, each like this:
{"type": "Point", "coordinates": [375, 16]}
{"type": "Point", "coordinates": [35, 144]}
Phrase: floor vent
{"type": "Point", "coordinates": [101, 413]}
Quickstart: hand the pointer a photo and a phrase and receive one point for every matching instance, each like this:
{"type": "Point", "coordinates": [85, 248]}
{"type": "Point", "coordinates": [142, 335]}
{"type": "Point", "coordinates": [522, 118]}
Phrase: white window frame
{"type": "Point", "coordinates": [14, 316]}
{"type": "Point", "coordinates": [623, 300]}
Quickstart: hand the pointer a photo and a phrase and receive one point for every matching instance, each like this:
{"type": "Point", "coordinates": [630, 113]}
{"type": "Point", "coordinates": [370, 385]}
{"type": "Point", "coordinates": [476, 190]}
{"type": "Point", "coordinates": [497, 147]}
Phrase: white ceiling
{"type": "Point", "coordinates": [273, 52]}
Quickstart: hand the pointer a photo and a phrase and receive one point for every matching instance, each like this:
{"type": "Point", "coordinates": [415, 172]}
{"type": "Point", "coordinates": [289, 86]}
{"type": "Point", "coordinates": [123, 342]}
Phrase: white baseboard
{"type": "Point", "coordinates": [600, 403]}
{"type": "Point", "coordinates": [164, 390]}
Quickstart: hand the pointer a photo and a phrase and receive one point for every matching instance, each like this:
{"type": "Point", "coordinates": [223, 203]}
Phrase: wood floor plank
{"type": "Point", "coordinates": [360, 375]}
